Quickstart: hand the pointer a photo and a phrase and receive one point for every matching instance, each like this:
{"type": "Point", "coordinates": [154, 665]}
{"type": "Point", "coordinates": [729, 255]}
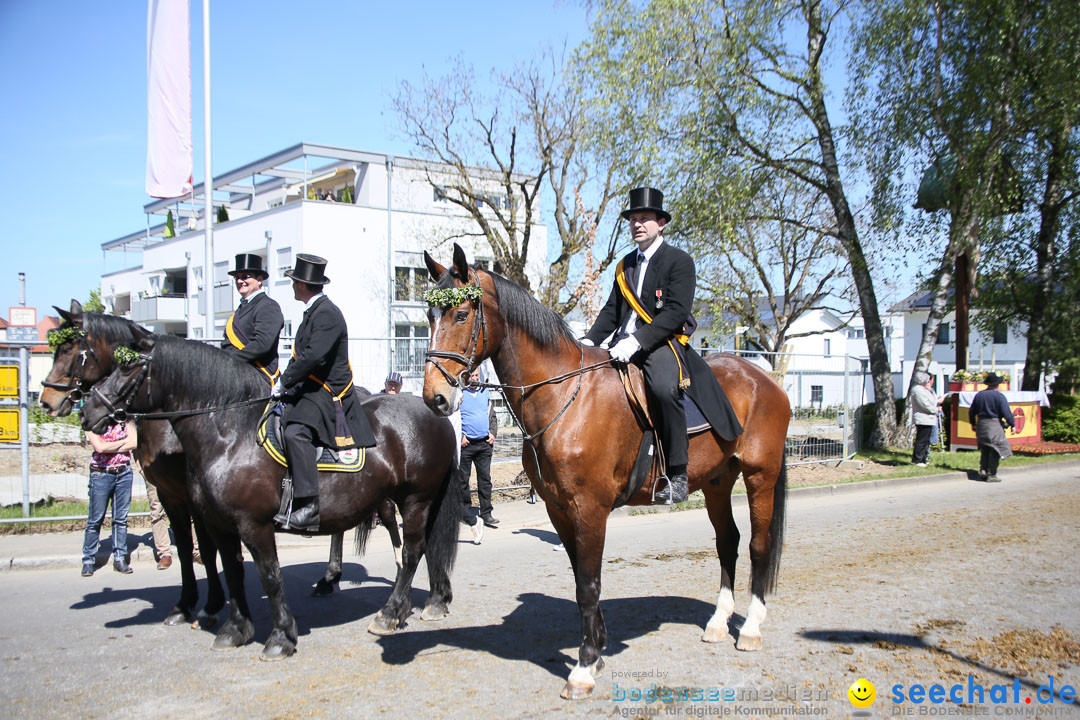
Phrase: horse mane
{"type": "Point", "coordinates": [203, 375]}
{"type": "Point", "coordinates": [114, 329]}
{"type": "Point", "coordinates": [523, 311]}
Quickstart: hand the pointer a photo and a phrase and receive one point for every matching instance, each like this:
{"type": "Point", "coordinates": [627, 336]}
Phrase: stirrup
{"type": "Point", "coordinates": [656, 486]}
{"type": "Point", "coordinates": [285, 511]}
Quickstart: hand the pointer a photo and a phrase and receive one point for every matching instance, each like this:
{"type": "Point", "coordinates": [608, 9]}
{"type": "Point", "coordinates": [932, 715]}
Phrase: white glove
{"type": "Point", "coordinates": [587, 342]}
{"type": "Point", "coordinates": [278, 390]}
{"type": "Point", "coordinates": [625, 349]}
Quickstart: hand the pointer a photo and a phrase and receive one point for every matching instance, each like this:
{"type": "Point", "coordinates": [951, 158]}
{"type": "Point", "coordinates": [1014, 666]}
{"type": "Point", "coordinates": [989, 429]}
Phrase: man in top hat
{"type": "Point", "coordinates": [990, 413]}
{"type": "Point", "coordinates": [648, 318]}
{"type": "Point", "coordinates": [252, 331]}
{"type": "Point", "coordinates": [319, 386]}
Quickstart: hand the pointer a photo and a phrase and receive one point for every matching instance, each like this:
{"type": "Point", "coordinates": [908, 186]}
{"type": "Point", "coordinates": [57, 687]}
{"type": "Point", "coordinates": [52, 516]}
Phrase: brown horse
{"type": "Point", "coordinates": [579, 466]}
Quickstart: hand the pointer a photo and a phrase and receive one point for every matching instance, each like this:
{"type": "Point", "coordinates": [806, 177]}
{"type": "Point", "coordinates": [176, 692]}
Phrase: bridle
{"type": "Point", "coordinates": [479, 327]}
{"type": "Point", "coordinates": [118, 412]}
{"type": "Point", "coordinates": [74, 389]}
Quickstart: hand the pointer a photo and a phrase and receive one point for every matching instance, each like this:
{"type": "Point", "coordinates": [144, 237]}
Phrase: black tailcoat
{"type": "Point", "coordinates": [257, 325]}
{"type": "Point", "coordinates": [671, 272]}
{"type": "Point", "coordinates": [321, 356]}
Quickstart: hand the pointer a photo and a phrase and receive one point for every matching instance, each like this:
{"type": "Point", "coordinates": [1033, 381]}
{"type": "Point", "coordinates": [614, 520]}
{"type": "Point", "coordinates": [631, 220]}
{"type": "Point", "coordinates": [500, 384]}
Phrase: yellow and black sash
{"type": "Point", "coordinates": [342, 434]}
{"type": "Point", "coordinates": [624, 288]}
{"type": "Point", "coordinates": [238, 342]}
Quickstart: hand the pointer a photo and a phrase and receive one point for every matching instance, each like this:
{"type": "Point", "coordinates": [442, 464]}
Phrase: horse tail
{"type": "Point", "coordinates": [360, 537]}
{"type": "Point", "coordinates": [776, 527]}
{"type": "Point", "coordinates": [443, 525]}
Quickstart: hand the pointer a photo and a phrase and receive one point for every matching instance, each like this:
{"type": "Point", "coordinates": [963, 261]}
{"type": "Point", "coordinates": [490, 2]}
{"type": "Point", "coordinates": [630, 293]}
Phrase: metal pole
{"type": "Point", "coordinates": [208, 182]}
{"type": "Point", "coordinates": [390, 265]}
{"type": "Point", "coordinates": [24, 423]}
{"type": "Point", "coordinates": [847, 406]}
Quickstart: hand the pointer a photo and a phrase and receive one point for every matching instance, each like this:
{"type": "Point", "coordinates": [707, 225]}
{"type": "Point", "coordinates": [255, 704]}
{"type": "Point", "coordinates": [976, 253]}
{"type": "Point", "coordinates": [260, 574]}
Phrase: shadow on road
{"type": "Point", "coordinates": [540, 625]}
{"type": "Point", "coordinates": [890, 641]}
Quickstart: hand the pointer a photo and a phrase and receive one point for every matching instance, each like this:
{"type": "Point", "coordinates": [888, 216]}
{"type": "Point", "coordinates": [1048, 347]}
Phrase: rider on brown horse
{"type": "Point", "coordinates": [648, 316]}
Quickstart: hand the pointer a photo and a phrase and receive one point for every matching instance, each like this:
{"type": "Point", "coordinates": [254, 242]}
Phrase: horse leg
{"type": "Point", "coordinates": [718, 503]}
{"type": "Point", "coordinates": [282, 641]}
{"type": "Point", "coordinates": [441, 551]}
{"type": "Point", "coordinates": [184, 610]}
{"type": "Point", "coordinates": [328, 583]}
{"type": "Point", "coordinates": [388, 516]}
{"type": "Point", "coordinates": [215, 592]}
{"type": "Point", "coordinates": [766, 492]}
{"type": "Point", "coordinates": [238, 629]}
{"type": "Point", "coordinates": [397, 608]}
{"type": "Point", "coordinates": [587, 557]}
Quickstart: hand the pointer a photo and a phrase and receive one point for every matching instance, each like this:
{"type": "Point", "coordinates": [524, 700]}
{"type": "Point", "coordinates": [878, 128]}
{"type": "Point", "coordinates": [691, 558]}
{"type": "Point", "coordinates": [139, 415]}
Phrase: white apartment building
{"type": "Point", "coordinates": [384, 213]}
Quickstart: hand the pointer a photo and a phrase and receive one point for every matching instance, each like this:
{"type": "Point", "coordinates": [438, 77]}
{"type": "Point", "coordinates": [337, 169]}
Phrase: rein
{"type": "Point", "coordinates": [478, 328]}
{"type": "Point", "coordinates": [128, 392]}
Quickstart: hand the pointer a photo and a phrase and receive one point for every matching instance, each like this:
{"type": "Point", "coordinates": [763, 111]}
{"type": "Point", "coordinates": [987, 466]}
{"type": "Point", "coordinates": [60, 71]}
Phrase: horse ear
{"type": "Point", "coordinates": [74, 316]}
{"type": "Point", "coordinates": [143, 341]}
{"type": "Point", "coordinates": [461, 264]}
{"type": "Point", "coordinates": [434, 269]}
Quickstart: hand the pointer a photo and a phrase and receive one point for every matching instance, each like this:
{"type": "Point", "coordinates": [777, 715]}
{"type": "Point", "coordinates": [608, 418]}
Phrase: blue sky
{"type": "Point", "coordinates": [73, 157]}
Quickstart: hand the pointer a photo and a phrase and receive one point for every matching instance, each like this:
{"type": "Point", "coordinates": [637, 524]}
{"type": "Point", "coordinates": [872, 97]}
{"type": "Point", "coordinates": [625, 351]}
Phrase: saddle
{"type": "Point", "coordinates": [646, 464]}
{"type": "Point", "coordinates": [270, 436]}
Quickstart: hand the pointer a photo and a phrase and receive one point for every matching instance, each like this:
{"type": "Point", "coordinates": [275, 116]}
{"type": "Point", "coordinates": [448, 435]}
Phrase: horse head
{"type": "Point", "coordinates": [78, 362]}
{"type": "Point", "coordinates": [110, 400]}
{"type": "Point", "coordinates": [461, 308]}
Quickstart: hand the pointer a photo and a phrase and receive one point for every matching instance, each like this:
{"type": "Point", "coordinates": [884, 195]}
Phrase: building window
{"type": "Point", "coordinates": [817, 395]}
{"type": "Point", "coordinates": [942, 333]}
{"type": "Point", "coordinates": [287, 336]}
{"type": "Point", "coordinates": [410, 284]}
{"type": "Point", "coordinates": [439, 194]}
{"type": "Point", "coordinates": [1001, 334]}
{"type": "Point", "coordinates": [828, 348]}
{"type": "Point", "coordinates": [856, 333]}
{"type": "Point", "coordinates": [410, 348]}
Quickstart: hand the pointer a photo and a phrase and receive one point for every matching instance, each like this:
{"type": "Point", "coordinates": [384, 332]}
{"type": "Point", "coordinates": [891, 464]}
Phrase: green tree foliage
{"type": "Point", "coordinates": [222, 214]}
{"type": "Point", "coordinates": [170, 226]}
{"type": "Point", "coordinates": [1061, 421]}
{"type": "Point", "coordinates": [94, 304]}
{"type": "Point", "coordinates": [717, 98]}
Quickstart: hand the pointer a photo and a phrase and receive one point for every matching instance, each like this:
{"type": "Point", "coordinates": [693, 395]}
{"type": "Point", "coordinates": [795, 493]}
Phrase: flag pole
{"type": "Point", "coordinates": [208, 182]}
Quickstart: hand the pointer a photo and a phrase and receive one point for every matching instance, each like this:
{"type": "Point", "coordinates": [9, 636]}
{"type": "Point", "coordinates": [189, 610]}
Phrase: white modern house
{"type": "Point", "coordinates": [816, 365]}
{"type": "Point", "coordinates": [1003, 350]}
{"type": "Point", "coordinates": [370, 215]}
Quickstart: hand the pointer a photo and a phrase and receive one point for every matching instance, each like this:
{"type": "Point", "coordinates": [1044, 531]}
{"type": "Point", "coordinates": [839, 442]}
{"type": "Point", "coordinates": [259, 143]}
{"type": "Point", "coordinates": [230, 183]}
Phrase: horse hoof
{"type": "Point", "coordinates": [324, 589]}
{"type": "Point", "coordinates": [382, 625]}
{"type": "Point", "coordinates": [434, 613]}
{"type": "Point", "coordinates": [748, 643]}
{"type": "Point", "coordinates": [715, 633]}
{"type": "Point", "coordinates": [226, 641]}
{"type": "Point", "coordinates": [576, 691]}
{"type": "Point", "coordinates": [277, 649]}
{"type": "Point", "coordinates": [177, 617]}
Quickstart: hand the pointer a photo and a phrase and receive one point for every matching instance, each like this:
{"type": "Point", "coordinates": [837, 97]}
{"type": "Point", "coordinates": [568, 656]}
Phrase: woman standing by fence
{"type": "Point", "coordinates": [110, 478]}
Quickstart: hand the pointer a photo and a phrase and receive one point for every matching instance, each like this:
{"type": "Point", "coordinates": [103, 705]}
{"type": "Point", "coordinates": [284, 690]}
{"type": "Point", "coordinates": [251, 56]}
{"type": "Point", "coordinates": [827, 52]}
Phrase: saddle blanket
{"type": "Point", "coordinates": [269, 436]}
{"type": "Point", "coordinates": [695, 419]}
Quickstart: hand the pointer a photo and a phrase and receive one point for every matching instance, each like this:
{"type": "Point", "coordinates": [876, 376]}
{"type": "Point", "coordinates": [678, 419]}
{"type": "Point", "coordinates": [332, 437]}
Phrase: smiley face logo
{"type": "Point", "coordinates": [862, 693]}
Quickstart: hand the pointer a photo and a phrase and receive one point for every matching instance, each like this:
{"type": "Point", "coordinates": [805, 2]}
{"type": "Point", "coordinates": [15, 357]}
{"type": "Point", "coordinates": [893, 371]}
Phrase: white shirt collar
{"type": "Point", "coordinates": [310, 302]}
{"type": "Point", "coordinates": [651, 250]}
{"type": "Point", "coordinates": [255, 294]}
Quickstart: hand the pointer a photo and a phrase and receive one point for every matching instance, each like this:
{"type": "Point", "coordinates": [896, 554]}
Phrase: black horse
{"type": "Point", "coordinates": [236, 486]}
{"type": "Point", "coordinates": [84, 358]}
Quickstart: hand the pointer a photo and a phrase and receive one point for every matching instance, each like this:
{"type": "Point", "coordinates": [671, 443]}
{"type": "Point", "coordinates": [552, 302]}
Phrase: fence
{"type": "Point", "coordinates": [825, 392]}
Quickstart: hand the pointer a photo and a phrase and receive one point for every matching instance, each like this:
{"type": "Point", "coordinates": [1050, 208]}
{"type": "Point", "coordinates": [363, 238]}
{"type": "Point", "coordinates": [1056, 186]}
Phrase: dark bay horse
{"type": "Point", "coordinates": [236, 486]}
{"type": "Point", "coordinates": [85, 358]}
{"type": "Point", "coordinates": [82, 360]}
{"type": "Point", "coordinates": [580, 464]}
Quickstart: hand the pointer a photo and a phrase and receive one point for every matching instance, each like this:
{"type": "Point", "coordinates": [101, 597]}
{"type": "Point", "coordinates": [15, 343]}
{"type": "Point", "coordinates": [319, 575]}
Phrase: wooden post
{"type": "Point", "coordinates": [963, 294]}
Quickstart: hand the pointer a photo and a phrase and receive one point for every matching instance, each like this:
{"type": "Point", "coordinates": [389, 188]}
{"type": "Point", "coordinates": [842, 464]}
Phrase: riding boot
{"type": "Point", "coordinates": [677, 490]}
{"type": "Point", "coordinates": [305, 519]}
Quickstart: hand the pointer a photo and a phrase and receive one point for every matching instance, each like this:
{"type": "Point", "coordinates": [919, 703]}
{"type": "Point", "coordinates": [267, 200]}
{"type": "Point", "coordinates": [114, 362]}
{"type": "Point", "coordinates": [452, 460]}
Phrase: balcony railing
{"type": "Point", "coordinates": [164, 308]}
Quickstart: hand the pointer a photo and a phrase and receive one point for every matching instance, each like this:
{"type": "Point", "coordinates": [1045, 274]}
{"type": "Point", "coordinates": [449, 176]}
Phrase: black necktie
{"type": "Point", "coordinates": [243, 302]}
{"type": "Point", "coordinates": [637, 271]}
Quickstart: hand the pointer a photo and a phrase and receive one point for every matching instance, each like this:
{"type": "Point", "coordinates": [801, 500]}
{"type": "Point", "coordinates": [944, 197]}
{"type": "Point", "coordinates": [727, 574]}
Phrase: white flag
{"type": "Point", "coordinates": [168, 91]}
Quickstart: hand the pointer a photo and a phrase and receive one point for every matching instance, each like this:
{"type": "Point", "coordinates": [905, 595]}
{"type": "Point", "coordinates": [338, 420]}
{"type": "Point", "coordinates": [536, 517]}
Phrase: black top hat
{"type": "Point", "coordinates": [993, 380]}
{"type": "Point", "coordinates": [246, 262]}
{"type": "Point", "coordinates": [646, 198]}
{"type": "Point", "coordinates": [309, 269]}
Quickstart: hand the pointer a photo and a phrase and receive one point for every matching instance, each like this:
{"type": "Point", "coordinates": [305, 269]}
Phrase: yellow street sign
{"type": "Point", "coordinates": [9, 381]}
{"type": "Point", "coordinates": [9, 424]}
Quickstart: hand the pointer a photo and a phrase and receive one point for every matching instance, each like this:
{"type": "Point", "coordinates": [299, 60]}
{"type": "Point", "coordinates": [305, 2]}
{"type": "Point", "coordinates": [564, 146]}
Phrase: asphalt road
{"type": "Point", "coordinates": [919, 584]}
